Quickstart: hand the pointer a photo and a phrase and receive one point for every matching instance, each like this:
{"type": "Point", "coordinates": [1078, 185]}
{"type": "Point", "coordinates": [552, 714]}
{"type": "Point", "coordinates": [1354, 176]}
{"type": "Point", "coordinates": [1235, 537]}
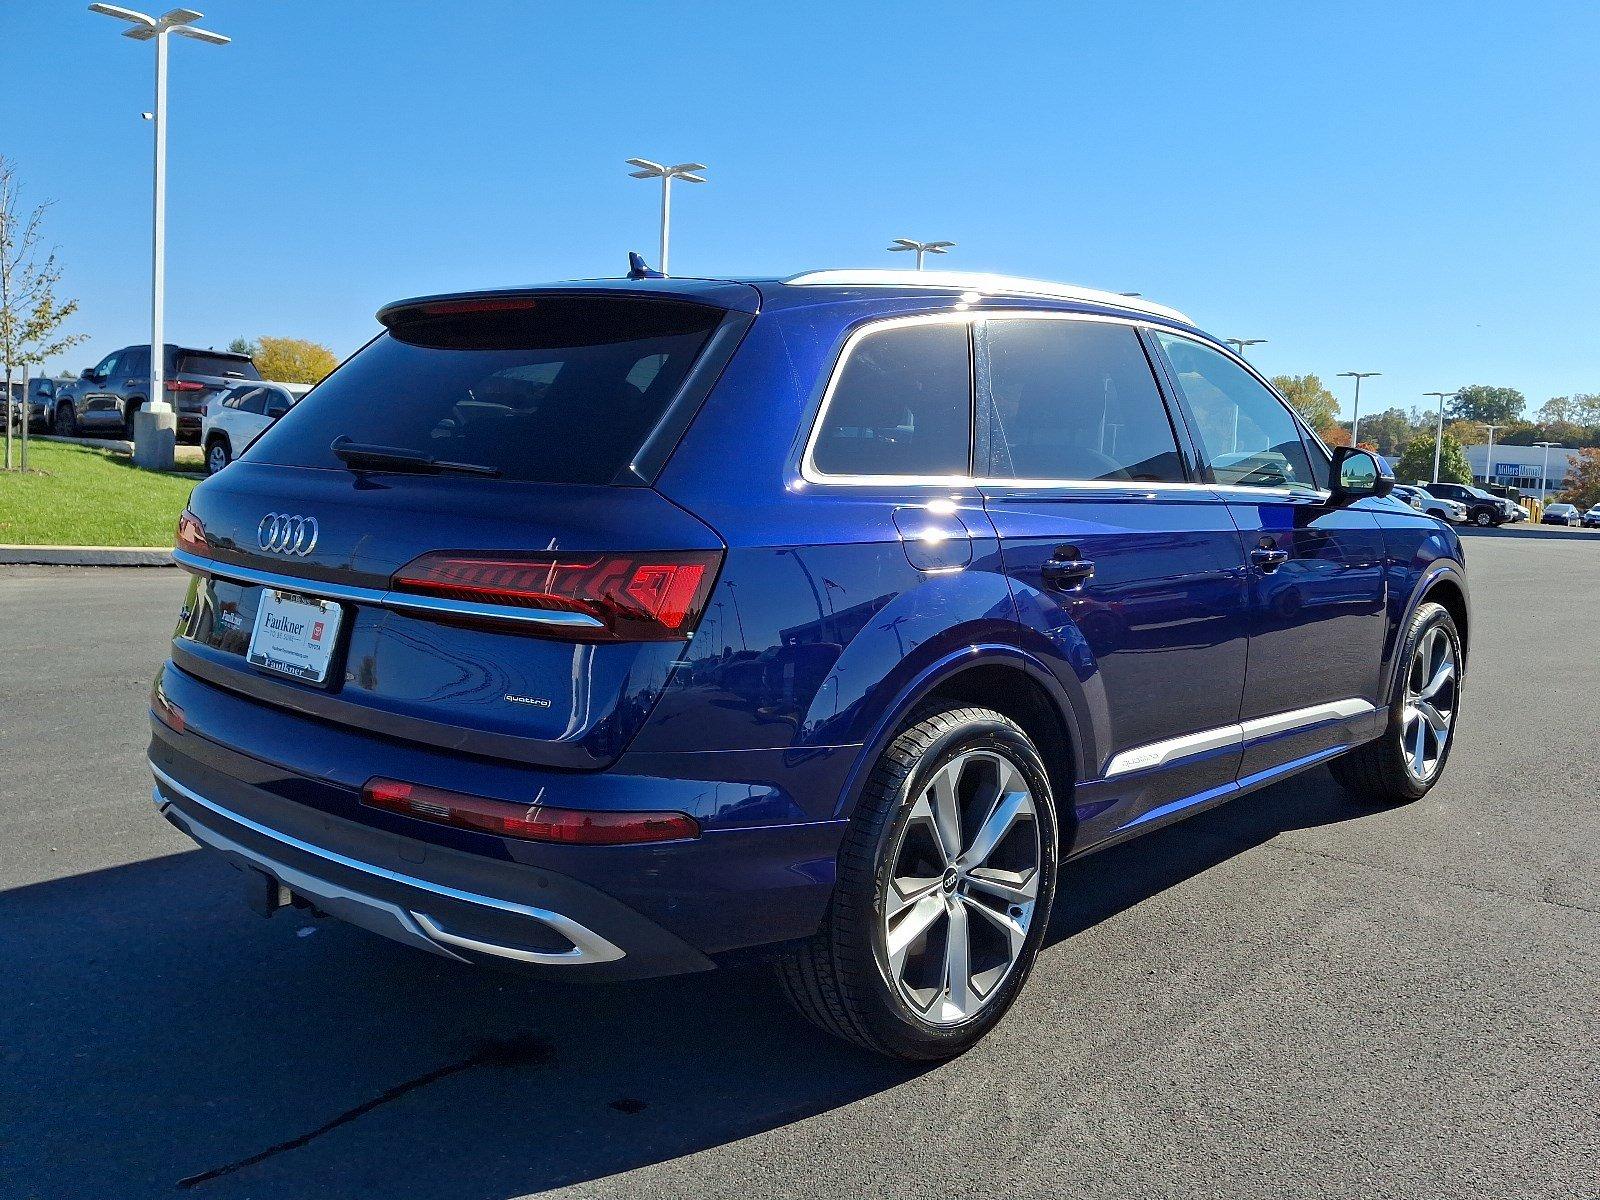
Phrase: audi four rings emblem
{"type": "Point", "coordinates": [287, 533]}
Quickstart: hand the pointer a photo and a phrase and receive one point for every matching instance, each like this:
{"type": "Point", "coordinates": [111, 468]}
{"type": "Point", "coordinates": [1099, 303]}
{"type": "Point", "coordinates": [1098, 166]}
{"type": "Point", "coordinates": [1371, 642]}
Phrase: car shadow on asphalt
{"type": "Point", "coordinates": [158, 1039]}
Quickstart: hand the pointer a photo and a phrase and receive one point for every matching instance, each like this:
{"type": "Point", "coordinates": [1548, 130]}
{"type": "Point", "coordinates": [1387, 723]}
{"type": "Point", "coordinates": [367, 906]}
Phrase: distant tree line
{"type": "Point", "coordinates": [1408, 435]}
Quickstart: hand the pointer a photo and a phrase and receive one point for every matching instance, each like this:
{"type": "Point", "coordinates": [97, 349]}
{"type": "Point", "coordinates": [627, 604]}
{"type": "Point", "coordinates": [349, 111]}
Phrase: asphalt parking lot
{"type": "Point", "coordinates": [1289, 996]}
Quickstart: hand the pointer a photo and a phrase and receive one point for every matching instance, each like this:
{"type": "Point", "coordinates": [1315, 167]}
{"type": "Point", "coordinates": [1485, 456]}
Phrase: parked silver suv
{"type": "Point", "coordinates": [105, 397]}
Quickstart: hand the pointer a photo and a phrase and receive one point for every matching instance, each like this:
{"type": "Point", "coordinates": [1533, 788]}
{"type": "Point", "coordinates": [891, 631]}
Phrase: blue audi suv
{"type": "Point", "coordinates": [636, 627]}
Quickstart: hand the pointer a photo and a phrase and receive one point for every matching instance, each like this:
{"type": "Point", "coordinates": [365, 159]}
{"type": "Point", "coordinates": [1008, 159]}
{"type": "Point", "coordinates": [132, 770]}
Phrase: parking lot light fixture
{"type": "Point", "coordinates": [919, 248]}
{"type": "Point", "coordinates": [1239, 344]}
{"type": "Point", "coordinates": [145, 28]}
{"type": "Point", "coordinates": [1438, 437]}
{"type": "Point", "coordinates": [1488, 462]}
{"type": "Point", "coordinates": [688, 172]}
{"type": "Point", "coordinates": [1544, 470]}
{"type": "Point", "coordinates": [1355, 412]}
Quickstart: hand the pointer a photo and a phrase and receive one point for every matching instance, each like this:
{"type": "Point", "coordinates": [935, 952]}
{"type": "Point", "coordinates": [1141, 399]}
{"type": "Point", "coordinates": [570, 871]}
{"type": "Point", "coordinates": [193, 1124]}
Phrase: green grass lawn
{"type": "Point", "coordinates": [82, 496]}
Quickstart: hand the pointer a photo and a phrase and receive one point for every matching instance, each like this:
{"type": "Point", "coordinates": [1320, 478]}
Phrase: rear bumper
{"type": "Point", "coordinates": [471, 918]}
{"type": "Point", "coordinates": [287, 789]}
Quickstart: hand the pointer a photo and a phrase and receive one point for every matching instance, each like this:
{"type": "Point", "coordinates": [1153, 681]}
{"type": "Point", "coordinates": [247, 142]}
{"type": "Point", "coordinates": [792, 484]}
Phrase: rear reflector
{"type": "Point", "coordinates": [537, 822]}
{"type": "Point", "coordinates": [168, 713]}
{"type": "Point", "coordinates": [191, 536]}
{"type": "Point", "coordinates": [656, 596]}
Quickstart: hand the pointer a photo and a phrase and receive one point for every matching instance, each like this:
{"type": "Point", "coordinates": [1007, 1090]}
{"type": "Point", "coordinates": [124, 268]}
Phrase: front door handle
{"type": "Point", "coordinates": [1267, 559]}
{"type": "Point", "coordinates": [1064, 570]}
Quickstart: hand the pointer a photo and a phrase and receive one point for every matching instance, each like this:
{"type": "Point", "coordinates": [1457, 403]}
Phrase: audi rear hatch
{"type": "Point", "coordinates": [453, 539]}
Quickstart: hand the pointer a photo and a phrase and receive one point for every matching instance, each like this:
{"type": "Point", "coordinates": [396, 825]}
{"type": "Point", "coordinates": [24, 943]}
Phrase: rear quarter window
{"type": "Point", "coordinates": [559, 389]}
{"type": "Point", "coordinates": [900, 405]}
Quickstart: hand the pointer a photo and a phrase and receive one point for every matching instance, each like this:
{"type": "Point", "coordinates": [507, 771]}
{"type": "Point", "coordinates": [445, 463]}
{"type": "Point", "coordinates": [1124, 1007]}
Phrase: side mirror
{"type": "Point", "coordinates": [276, 411]}
{"type": "Point", "coordinates": [87, 373]}
{"type": "Point", "coordinates": [1358, 473]}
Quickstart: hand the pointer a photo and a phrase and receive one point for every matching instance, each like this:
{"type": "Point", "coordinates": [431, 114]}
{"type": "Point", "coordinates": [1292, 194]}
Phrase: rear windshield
{"type": "Point", "coordinates": [193, 362]}
{"type": "Point", "coordinates": [561, 389]}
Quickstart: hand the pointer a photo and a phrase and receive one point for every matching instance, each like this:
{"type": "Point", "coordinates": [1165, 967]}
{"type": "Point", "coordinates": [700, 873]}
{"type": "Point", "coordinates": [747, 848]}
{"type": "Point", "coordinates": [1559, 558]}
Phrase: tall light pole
{"type": "Point", "coordinates": [147, 29]}
{"type": "Point", "coordinates": [1544, 471]}
{"type": "Point", "coordinates": [1488, 462]}
{"type": "Point", "coordinates": [921, 248]}
{"type": "Point", "coordinates": [1438, 437]}
{"type": "Point", "coordinates": [1239, 344]}
{"type": "Point", "coordinates": [1355, 413]}
{"type": "Point", "coordinates": [688, 172]}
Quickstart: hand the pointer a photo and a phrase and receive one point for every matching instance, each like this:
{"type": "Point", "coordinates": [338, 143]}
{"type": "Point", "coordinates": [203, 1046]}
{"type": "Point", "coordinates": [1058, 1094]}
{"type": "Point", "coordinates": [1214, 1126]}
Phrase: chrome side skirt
{"type": "Point", "coordinates": [404, 924]}
{"type": "Point", "coordinates": [1159, 754]}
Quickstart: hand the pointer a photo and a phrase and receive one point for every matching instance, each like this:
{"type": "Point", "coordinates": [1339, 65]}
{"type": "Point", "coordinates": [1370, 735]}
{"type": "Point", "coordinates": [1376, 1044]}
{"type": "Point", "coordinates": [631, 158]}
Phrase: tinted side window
{"type": "Point", "coordinates": [901, 405]}
{"type": "Point", "coordinates": [1246, 434]}
{"type": "Point", "coordinates": [250, 400]}
{"type": "Point", "coordinates": [1076, 400]}
{"type": "Point", "coordinates": [135, 362]}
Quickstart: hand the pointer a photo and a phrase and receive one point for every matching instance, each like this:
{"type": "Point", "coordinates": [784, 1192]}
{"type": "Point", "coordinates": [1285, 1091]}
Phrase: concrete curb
{"type": "Point", "coordinates": [85, 556]}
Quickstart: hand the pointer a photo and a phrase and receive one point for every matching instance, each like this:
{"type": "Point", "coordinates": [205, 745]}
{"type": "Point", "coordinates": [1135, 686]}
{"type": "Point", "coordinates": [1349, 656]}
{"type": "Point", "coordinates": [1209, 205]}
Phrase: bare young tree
{"type": "Point", "coordinates": [30, 315]}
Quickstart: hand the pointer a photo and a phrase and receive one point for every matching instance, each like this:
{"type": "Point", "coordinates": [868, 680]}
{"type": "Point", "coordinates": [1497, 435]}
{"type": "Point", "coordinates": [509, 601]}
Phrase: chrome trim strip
{"type": "Point", "coordinates": [1131, 489]}
{"type": "Point", "coordinates": [1339, 710]}
{"type": "Point", "coordinates": [400, 601]}
{"type": "Point", "coordinates": [588, 946]}
{"type": "Point", "coordinates": [1159, 754]}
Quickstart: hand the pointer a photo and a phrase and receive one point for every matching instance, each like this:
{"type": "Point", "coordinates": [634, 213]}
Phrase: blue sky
{"type": "Point", "coordinates": [1403, 188]}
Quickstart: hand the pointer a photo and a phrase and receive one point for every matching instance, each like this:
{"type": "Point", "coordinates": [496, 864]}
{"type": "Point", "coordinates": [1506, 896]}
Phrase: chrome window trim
{"type": "Point", "coordinates": [810, 473]}
{"type": "Point", "coordinates": [588, 946]}
{"type": "Point", "coordinates": [1159, 754]}
{"type": "Point", "coordinates": [400, 601]}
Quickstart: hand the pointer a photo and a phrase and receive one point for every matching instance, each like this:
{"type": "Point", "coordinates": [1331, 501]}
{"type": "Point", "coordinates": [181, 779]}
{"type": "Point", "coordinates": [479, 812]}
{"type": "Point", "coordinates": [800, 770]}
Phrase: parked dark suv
{"type": "Point", "coordinates": [1482, 508]}
{"type": "Point", "coordinates": [105, 397]}
{"type": "Point", "coordinates": [630, 628]}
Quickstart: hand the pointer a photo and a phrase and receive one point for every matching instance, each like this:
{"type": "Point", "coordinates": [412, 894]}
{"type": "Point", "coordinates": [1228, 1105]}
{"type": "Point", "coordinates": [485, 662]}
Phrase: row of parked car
{"type": "Point", "coordinates": [1571, 514]}
{"type": "Point", "coordinates": [1459, 503]}
{"type": "Point", "coordinates": [220, 399]}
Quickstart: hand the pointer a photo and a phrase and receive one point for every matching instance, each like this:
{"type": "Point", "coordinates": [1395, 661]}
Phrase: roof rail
{"type": "Point", "coordinates": [983, 282]}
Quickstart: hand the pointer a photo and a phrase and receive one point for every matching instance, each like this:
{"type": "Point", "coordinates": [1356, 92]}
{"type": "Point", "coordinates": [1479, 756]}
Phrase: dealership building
{"type": "Point", "coordinates": [1522, 466]}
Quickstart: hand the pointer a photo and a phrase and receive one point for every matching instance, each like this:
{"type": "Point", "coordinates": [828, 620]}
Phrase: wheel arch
{"type": "Point", "coordinates": [1445, 585]}
{"type": "Point", "coordinates": [1011, 683]}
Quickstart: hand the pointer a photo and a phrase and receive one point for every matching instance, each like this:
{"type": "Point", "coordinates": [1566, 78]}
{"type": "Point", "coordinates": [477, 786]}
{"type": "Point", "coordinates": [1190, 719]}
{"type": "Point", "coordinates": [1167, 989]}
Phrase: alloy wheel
{"type": "Point", "coordinates": [1430, 706]}
{"type": "Point", "coordinates": [963, 887]}
{"type": "Point", "coordinates": [216, 457]}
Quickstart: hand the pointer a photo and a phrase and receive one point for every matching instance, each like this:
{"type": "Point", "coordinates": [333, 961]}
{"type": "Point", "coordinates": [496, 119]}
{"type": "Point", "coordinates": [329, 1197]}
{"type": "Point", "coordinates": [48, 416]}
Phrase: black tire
{"type": "Point", "coordinates": [217, 446]}
{"type": "Point", "coordinates": [839, 979]}
{"type": "Point", "coordinates": [128, 414]}
{"type": "Point", "coordinates": [66, 422]}
{"type": "Point", "coordinates": [1377, 772]}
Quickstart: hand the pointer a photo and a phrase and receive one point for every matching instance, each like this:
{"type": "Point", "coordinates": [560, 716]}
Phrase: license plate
{"type": "Point", "coordinates": [294, 635]}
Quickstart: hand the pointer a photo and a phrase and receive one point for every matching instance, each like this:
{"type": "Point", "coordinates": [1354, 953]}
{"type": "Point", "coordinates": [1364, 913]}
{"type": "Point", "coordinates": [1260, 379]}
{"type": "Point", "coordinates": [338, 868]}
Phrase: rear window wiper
{"type": "Point", "coordinates": [362, 456]}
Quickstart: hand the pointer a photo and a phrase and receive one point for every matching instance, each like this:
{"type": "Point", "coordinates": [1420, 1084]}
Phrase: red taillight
{"type": "Point", "coordinates": [646, 597]}
{"type": "Point", "coordinates": [191, 535]}
{"type": "Point", "coordinates": [535, 822]}
{"type": "Point", "coordinates": [184, 385]}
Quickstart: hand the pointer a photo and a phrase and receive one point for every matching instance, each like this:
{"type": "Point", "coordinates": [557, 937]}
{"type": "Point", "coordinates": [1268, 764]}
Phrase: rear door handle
{"type": "Point", "coordinates": [1268, 560]}
{"type": "Point", "coordinates": [1065, 570]}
